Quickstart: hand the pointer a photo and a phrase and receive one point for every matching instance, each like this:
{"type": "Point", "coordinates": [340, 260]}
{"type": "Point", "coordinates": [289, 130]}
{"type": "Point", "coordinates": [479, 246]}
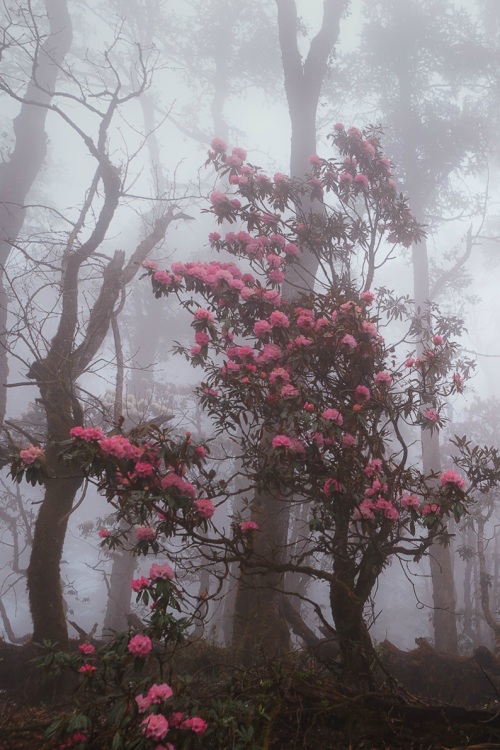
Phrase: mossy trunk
{"type": "Point", "coordinates": [352, 637]}
{"type": "Point", "coordinates": [44, 571]}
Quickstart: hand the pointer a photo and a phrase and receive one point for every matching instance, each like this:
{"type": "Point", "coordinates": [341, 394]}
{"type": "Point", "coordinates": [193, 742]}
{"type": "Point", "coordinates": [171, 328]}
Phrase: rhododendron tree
{"type": "Point", "coordinates": [307, 388]}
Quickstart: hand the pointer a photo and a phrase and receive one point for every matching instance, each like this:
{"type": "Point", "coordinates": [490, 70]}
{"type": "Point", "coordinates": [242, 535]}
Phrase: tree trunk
{"type": "Point", "coordinates": [20, 171]}
{"type": "Point", "coordinates": [352, 636]}
{"type": "Point", "coordinates": [119, 592]}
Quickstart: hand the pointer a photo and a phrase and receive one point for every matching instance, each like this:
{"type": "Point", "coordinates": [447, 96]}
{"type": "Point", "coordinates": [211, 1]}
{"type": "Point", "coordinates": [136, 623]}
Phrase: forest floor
{"type": "Point", "coordinates": [306, 708]}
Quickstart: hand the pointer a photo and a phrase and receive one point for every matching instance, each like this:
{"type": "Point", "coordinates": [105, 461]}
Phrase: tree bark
{"type": "Point", "coordinates": [18, 174]}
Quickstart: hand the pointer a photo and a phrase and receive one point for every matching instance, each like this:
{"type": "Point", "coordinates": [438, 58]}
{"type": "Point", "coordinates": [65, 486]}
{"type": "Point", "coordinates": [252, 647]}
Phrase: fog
{"type": "Point", "coordinates": [136, 92]}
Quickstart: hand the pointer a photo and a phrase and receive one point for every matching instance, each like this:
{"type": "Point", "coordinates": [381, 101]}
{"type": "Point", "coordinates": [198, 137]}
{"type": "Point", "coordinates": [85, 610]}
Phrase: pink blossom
{"type": "Point", "coordinates": [248, 526]}
{"type": "Point", "coordinates": [451, 477]}
{"type": "Point", "coordinates": [458, 380]}
{"type": "Point", "coordinates": [31, 454]}
{"type": "Point", "coordinates": [218, 146]}
{"type": "Point", "coordinates": [200, 451]}
{"type": "Point", "coordinates": [262, 327]}
{"type": "Point", "coordinates": [383, 377]}
{"type": "Point", "coordinates": [197, 725]}
{"type": "Point", "coordinates": [393, 185]}
{"type": "Point", "coordinates": [160, 693]}
{"type": "Point", "coordinates": [431, 414]}
{"type": "Point", "coordinates": [143, 469]}
{"type": "Point", "coordinates": [349, 341]}
{"type": "Point", "coordinates": [163, 572]}
{"type": "Point", "coordinates": [150, 264]}
{"type": "Point", "coordinates": [279, 320]}
{"type": "Point", "coordinates": [315, 161]}
{"type": "Point", "coordinates": [104, 533]}
{"type": "Point", "coordinates": [291, 249]}
{"type": "Point", "coordinates": [240, 153]}
{"type": "Point", "coordinates": [203, 315]}
{"type": "Point", "coordinates": [362, 394]}
{"type": "Point", "coordinates": [308, 407]}
{"type": "Point", "coordinates": [279, 373]}
{"type": "Point", "coordinates": [270, 353]}
{"type": "Point", "coordinates": [345, 177]}
{"type": "Point", "coordinates": [204, 507]}
{"type": "Point", "coordinates": [288, 391]}
{"type": "Point", "coordinates": [274, 260]}
{"type": "Point", "coordinates": [361, 179]}
{"type": "Point", "coordinates": [87, 433]}
{"type": "Point", "coordinates": [211, 392]}
{"type": "Point", "coordinates": [278, 177]}
{"type": "Point", "coordinates": [143, 703]}
{"type": "Point", "coordinates": [368, 297]}
{"type": "Point", "coordinates": [306, 322]}
{"type": "Point", "coordinates": [410, 501]}
{"type": "Point", "coordinates": [201, 338]}
{"type": "Point", "coordinates": [138, 584]}
{"type": "Point", "coordinates": [300, 341]}
{"type": "Point", "coordinates": [86, 648]}
{"type": "Point", "coordinates": [176, 718]}
{"type": "Point", "coordinates": [145, 534]}
{"type": "Point", "coordinates": [156, 726]}
{"type": "Point", "coordinates": [331, 485]}
{"type": "Point", "coordinates": [174, 480]}
{"type": "Point", "coordinates": [338, 127]}
{"type": "Point", "coordinates": [163, 277]}
{"type": "Point", "coordinates": [374, 467]}
{"type": "Point", "coordinates": [277, 277]}
{"type": "Point", "coordinates": [391, 513]}
{"type": "Point", "coordinates": [213, 237]}
{"type": "Point", "coordinates": [281, 441]}
{"type": "Point", "coordinates": [119, 447]}
{"type": "Point", "coordinates": [333, 415]}
{"type": "Point", "coordinates": [349, 441]}
{"type": "Point", "coordinates": [409, 362]}
{"type": "Point", "coordinates": [140, 645]}
{"type": "Point", "coordinates": [87, 669]}
{"type": "Point", "coordinates": [370, 329]}
{"type": "Point", "coordinates": [437, 340]}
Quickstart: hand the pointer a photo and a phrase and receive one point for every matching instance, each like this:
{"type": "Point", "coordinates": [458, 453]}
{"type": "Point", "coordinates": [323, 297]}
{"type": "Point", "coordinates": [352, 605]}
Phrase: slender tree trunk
{"type": "Point", "coordinates": [119, 596]}
{"type": "Point", "coordinates": [18, 174]}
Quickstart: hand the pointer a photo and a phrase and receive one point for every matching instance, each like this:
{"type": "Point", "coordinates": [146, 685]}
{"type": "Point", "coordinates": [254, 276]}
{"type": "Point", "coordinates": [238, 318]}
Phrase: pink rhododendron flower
{"type": "Point", "coordinates": [333, 415]}
{"type": "Point", "coordinates": [156, 726]}
{"type": "Point", "coordinates": [410, 501]}
{"type": "Point", "coordinates": [31, 454]}
{"type": "Point", "coordinates": [160, 693]}
{"type": "Point", "coordinates": [350, 341]}
{"type": "Point", "coordinates": [174, 480]}
{"type": "Point", "coordinates": [362, 394]}
{"type": "Point", "coordinates": [143, 469]}
{"type": "Point", "coordinates": [346, 178]}
{"type": "Point", "coordinates": [279, 320]}
{"type": "Point", "coordinates": [140, 645]}
{"type": "Point", "coordinates": [87, 669]}
{"type": "Point", "coordinates": [368, 297]}
{"type": "Point", "coordinates": [288, 391]}
{"type": "Point", "coordinates": [437, 340]}
{"type": "Point", "coordinates": [204, 507]}
{"type": "Point", "coordinates": [104, 533]}
{"type": "Point", "coordinates": [370, 329]}
{"type": "Point", "coordinates": [86, 648]}
{"type": "Point", "coordinates": [163, 277]}
{"type": "Point", "coordinates": [248, 526]}
{"type": "Point", "coordinates": [145, 534]}
{"type": "Point", "coordinates": [143, 703]}
{"type": "Point", "coordinates": [277, 277]}
{"type": "Point", "coordinates": [261, 327]}
{"type": "Point", "coordinates": [308, 407]}
{"type": "Point", "coordinates": [163, 572]}
{"type": "Point", "coordinates": [138, 584]}
{"type": "Point", "coordinates": [432, 415]}
{"type": "Point", "coordinates": [331, 485]}
{"type": "Point", "coordinates": [200, 451]}
{"type": "Point", "coordinates": [195, 350]}
{"type": "Point", "coordinates": [86, 433]}
{"type": "Point", "coordinates": [279, 373]}
{"type": "Point", "coordinates": [291, 249]}
{"type": "Point", "coordinates": [349, 441]}
{"type": "Point", "coordinates": [213, 236]}
{"type": "Point", "coordinates": [203, 315]}
{"type": "Point", "coordinates": [217, 199]}
{"type": "Point", "coordinates": [409, 362]}
{"type": "Point", "coordinates": [120, 447]}
{"type": "Point", "coordinates": [197, 725]}
{"type": "Point", "coordinates": [150, 264]}
{"type": "Point", "coordinates": [176, 718]}
{"type": "Point", "coordinates": [281, 441]}
{"type": "Point", "coordinates": [428, 509]}
{"type": "Point", "coordinates": [458, 380]}
{"type": "Point", "coordinates": [383, 377]}
{"type": "Point", "coordinates": [218, 146]}
{"type": "Point", "coordinates": [361, 179]}
{"type": "Point", "coordinates": [451, 477]}
{"type": "Point", "coordinates": [201, 338]}
{"type": "Point", "coordinates": [391, 513]}
{"type": "Point", "coordinates": [315, 161]}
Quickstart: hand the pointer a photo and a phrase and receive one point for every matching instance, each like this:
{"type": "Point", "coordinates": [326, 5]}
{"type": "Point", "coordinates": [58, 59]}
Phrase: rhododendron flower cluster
{"type": "Point", "coordinates": [31, 454]}
{"type": "Point", "coordinates": [140, 645]}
